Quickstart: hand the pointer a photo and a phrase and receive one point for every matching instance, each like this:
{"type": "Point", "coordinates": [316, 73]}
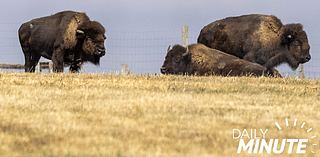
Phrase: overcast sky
{"type": "Point", "coordinates": [167, 15]}
{"type": "Point", "coordinates": [162, 14]}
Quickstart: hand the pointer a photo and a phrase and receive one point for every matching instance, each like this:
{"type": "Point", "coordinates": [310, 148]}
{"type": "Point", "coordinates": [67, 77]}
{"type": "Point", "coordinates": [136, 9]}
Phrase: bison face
{"type": "Point", "coordinates": [177, 61]}
{"type": "Point", "coordinates": [91, 37]}
{"type": "Point", "coordinates": [300, 51]}
{"type": "Point", "coordinates": [297, 44]}
{"type": "Point", "coordinates": [94, 45]}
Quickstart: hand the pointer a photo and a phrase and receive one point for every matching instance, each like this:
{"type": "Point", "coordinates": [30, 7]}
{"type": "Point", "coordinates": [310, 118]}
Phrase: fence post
{"type": "Point", "coordinates": [124, 69]}
{"type": "Point", "coordinates": [185, 36]}
{"type": "Point", "coordinates": [38, 69]}
{"type": "Point", "coordinates": [301, 72]}
{"type": "Point", "coordinates": [50, 67]}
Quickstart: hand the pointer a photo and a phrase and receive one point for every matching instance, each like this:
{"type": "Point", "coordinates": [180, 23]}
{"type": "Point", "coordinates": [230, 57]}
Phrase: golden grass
{"type": "Point", "coordinates": [138, 115]}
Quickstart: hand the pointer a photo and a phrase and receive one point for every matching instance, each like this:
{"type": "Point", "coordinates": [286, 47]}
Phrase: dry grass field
{"type": "Point", "coordinates": [139, 115]}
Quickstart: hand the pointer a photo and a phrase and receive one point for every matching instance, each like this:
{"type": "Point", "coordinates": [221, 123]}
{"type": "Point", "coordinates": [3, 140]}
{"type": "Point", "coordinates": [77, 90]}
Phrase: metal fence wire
{"type": "Point", "coordinates": [142, 51]}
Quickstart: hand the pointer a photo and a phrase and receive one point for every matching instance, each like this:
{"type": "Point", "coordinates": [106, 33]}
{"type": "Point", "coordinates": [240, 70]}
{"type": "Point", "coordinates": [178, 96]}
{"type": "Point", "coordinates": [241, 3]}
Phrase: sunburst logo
{"type": "Point", "coordinates": [302, 125]}
{"type": "Point", "coordinates": [258, 144]}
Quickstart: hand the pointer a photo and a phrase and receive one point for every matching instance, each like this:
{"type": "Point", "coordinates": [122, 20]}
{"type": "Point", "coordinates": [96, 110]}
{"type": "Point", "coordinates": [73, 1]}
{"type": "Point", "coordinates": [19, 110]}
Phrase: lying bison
{"type": "Point", "coordinates": [67, 36]}
{"type": "Point", "coordinates": [197, 59]}
{"type": "Point", "coordinates": [261, 39]}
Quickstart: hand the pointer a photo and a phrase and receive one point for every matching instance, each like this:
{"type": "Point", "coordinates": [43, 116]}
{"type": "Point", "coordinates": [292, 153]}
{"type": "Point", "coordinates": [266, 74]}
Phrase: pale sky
{"type": "Point", "coordinates": [159, 15]}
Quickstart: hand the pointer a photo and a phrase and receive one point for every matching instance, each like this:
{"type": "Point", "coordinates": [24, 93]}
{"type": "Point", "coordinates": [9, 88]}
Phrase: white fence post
{"type": "Point", "coordinates": [184, 36]}
{"type": "Point", "coordinates": [37, 70]}
{"type": "Point", "coordinates": [301, 72]}
{"type": "Point", "coordinates": [50, 67]}
{"type": "Point", "coordinates": [124, 69]}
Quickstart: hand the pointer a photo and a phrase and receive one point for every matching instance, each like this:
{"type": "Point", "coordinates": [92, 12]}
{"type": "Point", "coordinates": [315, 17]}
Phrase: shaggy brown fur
{"type": "Point", "coordinates": [260, 39]}
{"type": "Point", "coordinates": [65, 37]}
{"type": "Point", "coordinates": [201, 60]}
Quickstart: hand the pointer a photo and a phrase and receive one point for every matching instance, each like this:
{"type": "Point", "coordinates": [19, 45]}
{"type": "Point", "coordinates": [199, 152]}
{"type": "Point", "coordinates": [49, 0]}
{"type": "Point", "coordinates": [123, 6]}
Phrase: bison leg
{"type": "Point", "coordinates": [276, 73]}
{"type": "Point", "coordinates": [75, 66]}
{"type": "Point", "coordinates": [275, 61]}
{"type": "Point", "coordinates": [31, 60]}
{"type": "Point", "coordinates": [57, 60]}
{"type": "Point", "coordinates": [250, 57]}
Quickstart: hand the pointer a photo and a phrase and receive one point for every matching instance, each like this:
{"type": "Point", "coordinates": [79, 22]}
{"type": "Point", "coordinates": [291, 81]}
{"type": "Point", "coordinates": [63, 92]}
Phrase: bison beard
{"type": "Point", "coordinates": [66, 37]}
{"type": "Point", "coordinates": [259, 39]}
{"type": "Point", "coordinates": [198, 59]}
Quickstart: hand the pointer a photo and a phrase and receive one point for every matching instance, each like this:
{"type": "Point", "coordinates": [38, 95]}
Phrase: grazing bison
{"type": "Point", "coordinates": [261, 39]}
{"type": "Point", "coordinates": [197, 59]}
{"type": "Point", "coordinates": [65, 37]}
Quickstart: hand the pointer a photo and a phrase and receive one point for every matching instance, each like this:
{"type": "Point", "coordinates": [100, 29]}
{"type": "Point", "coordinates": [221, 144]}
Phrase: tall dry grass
{"type": "Point", "coordinates": [138, 115]}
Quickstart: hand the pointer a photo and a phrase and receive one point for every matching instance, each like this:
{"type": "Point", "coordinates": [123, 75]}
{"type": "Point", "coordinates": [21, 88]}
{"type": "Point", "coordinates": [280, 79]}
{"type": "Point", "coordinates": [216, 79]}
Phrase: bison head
{"type": "Point", "coordinates": [91, 36]}
{"type": "Point", "coordinates": [296, 41]}
{"type": "Point", "coordinates": [177, 61]}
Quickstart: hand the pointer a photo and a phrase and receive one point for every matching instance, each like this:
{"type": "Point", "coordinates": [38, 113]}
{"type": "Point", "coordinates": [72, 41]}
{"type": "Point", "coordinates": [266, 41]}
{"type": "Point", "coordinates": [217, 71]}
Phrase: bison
{"type": "Point", "coordinates": [65, 37]}
{"type": "Point", "coordinates": [197, 59]}
{"type": "Point", "coordinates": [261, 39]}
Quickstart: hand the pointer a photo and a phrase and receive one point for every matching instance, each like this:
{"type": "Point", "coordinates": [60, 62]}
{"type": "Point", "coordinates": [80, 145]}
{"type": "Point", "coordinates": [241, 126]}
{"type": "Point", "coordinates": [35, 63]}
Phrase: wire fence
{"type": "Point", "coordinates": [142, 51]}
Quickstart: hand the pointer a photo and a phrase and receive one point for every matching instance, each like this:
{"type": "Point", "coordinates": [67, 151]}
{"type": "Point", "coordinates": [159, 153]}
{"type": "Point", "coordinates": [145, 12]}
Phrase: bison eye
{"type": "Point", "coordinates": [99, 42]}
{"type": "Point", "coordinates": [297, 43]}
{"type": "Point", "coordinates": [178, 58]}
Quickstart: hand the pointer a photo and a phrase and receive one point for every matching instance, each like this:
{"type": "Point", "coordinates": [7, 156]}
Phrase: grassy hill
{"type": "Point", "coordinates": [138, 115]}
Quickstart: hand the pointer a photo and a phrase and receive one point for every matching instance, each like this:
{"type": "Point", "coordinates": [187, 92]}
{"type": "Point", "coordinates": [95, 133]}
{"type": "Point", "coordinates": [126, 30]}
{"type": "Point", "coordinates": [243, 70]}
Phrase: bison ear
{"type": "Point", "coordinates": [284, 39]}
{"type": "Point", "coordinates": [288, 37]}
{"type": "Point", "coordinates": [80, 34]}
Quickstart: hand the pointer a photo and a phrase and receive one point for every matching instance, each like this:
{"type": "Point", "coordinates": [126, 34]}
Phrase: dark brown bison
{"type": "Point", "coordinates": [65, 37]}
{"type": "Point", "coordinates": [261, 39]}
{"type": "Point", "coordinates": [197, 59]}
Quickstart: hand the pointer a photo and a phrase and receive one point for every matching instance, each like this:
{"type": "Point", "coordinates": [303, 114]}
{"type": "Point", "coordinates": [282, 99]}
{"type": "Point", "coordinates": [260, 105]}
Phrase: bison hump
{"type": "Point", "coordinates": [69, 37]}
{"type": "Point", "coordinates": [269, 32]}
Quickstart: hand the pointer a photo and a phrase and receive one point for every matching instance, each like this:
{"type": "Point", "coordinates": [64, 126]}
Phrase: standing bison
{"type": "Point", "coordinates": [197, 59]}
{"type": "Point", "coordinates": [261, 39]}
{"type": "Point", "coordinates": [67, 36]}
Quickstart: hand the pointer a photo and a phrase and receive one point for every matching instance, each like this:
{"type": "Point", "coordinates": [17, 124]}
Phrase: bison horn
{"type": "Point", "coordinates": [186, 53]}
{"type": "Point", "coordinates": [80, 31]}
{"type": "Point", "coordinates": [169, 48]}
